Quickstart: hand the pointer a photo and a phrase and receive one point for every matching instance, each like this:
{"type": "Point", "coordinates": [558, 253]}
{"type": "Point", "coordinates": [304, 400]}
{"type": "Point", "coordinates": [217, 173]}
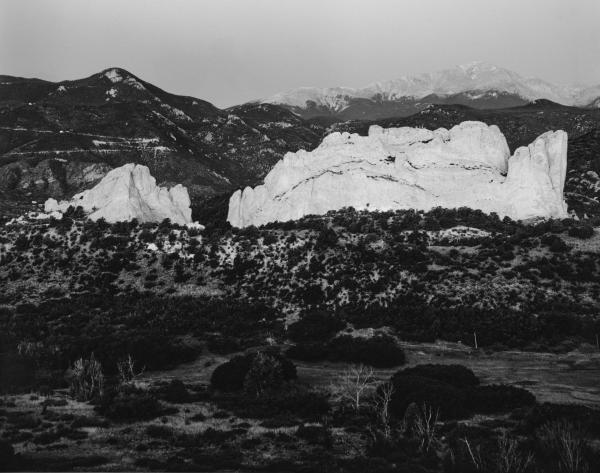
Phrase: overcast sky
{"type": "Point", "coordinates": [232, 51]}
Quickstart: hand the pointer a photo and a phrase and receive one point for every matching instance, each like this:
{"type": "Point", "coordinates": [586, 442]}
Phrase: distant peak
{"type": "Point", "coordinates": [478, 66]}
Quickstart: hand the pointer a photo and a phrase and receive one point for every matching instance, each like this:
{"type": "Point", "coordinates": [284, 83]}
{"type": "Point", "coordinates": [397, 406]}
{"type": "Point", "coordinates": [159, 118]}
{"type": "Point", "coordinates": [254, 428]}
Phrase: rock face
{"type": "Point", "coordinates": [401, 168]}
{"type": "Point", "coordinates": [130, 192]}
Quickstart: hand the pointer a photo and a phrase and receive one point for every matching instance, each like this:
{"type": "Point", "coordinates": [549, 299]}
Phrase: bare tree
{"type": "Point", "coordinates": [425, 428]}
{"type": "Point", "coordinates": [566, 443]}
{"type": "Point", "coordinates": [510, 459]}
{"type": "Point", "coordinates": [127, 371]}
{"type": "Point", "coordinates": [355, 383]}
{"type": "Point", "coordinates": [382, 406]}
{"type": "Point", "coordinates": [474, 455]}
{"type": "Point", "coordinates": [87, 379]}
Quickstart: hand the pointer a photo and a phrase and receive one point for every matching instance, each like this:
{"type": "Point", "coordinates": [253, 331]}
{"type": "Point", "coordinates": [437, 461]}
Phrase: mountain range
{"type": "Point", "coordinates": [60, 138]}
{"type": "Point", "coordinates": [477, 84]}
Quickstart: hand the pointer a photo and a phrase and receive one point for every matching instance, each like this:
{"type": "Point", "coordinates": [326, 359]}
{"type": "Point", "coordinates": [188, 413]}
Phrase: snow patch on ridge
{"type": "Point", "coordinates": [475, 76]}
{"type": "Point", "coordinates": [113, 75]}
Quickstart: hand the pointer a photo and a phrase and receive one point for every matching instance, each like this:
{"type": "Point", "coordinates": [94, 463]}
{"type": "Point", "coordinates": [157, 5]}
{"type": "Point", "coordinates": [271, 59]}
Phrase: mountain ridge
{"type": "Point", "coordinates": [469, 83]}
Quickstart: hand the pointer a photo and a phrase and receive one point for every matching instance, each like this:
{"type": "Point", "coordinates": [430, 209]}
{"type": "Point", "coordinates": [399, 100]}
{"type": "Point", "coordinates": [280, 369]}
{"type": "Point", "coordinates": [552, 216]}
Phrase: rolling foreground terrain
{"type": "Point", "coordinates": [116, 340]}
{"type": "Point", "coordinates": [446, 340]}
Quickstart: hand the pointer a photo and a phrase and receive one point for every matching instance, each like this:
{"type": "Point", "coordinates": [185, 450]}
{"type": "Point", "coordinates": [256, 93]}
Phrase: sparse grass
{"type": "Point", "coordinates": [564, 446]}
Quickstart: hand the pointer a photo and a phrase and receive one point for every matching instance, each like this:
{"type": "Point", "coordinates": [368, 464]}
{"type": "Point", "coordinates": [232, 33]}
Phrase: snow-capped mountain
{"type": "Point", "coordinates": [477, 84]}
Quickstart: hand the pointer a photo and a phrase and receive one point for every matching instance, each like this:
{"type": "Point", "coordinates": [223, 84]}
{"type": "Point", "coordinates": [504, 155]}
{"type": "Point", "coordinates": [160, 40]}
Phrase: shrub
{"type": "Point", "coordinates": [315, 435]}
{"type": "Point", "coordinates": [511, 458]}
{"type": "Point", "coordinates": [498, 398]}
{"type": "Point", "coordinates": [457, 375]}
{"type": "Point", "coordinates": [308, 351]}
{"type": "Point", "coordinates": [449, 400]}
{"type": "Point", "coordinates": [87, 379]}
{"type": "Point", "coordinates": [175, 392]}
{"type": "Point", "coordinates": [425, 428]}
{"type": "Point", "coordinates": [231, 375]}
{"type": "Point", "coordinates": [129, 404]}
{"type": "Point", "coordinates": [315, 325]}
{"type": "Point", "coordinates": [264, 374]}
{"type": "Point", "coordinates": [16, 373]}
{"type": "Point", "coordinates": [7, 456]}
{"type": "Point", "coordinates": [127, 370]}
{"type": "Point", "coordinates": [223, 345]}
{"type": "Point", "coordinates": [380, 351]}
{"type": "Point", "coordinates": [580, 415]}
{"type": "Point", "coordinates": [555, 243]}
{"type": "Point", "coordinates": [563, 448]}
{"type": "Point", "coordinates": [158, 431]}
{"type": "Point", "coordinates": [294, 400]}
{"type": "Point", "coordinates": [582, 231]}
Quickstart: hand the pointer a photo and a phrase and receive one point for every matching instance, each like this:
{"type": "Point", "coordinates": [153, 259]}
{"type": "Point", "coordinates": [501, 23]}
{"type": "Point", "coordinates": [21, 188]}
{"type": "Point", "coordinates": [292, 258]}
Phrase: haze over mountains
{"type": "Point", "coordinates": [477, 84]}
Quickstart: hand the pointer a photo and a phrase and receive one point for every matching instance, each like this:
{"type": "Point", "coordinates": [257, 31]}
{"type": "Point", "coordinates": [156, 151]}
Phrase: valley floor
{"type": "Point", "coordinates": [558, 378]}
{"type": "Point", "coordinates": [92, 443]}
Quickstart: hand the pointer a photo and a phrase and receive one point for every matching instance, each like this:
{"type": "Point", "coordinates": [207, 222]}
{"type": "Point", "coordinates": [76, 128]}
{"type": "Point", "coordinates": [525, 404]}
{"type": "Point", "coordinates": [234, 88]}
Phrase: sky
{"type": "Point", "coordinates": [232, 51]}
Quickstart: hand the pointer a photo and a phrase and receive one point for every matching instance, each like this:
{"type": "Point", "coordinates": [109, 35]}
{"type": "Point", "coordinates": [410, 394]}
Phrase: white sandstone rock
{"type": "Point", "coordinates": [130, 192]}
{"type": "Point", "coordinates": [402, 168]}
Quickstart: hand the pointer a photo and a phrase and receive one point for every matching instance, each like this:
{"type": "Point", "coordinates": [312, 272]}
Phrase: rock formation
{"type": "Point", "coordinates": [401, 168]}
{"type": "Point", "coordinates": [130, 192]}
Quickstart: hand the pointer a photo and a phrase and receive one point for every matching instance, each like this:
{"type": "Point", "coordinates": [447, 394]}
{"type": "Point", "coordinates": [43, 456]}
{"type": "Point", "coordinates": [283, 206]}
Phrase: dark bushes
{"type": "Point", "coordinates": [129, 404]}
{"type": "Point", "coordinates": [265, 375]}
{"type": "Point", "coordinates": [315, 435]}
{"type": "Point", "coordinates": [158, 431]}
{"type": "Point", "coordinates": [454, 390]}
{"type": "Point", "coordinates": [174, 392]}
{"type": "Point", "coordinates": [315, 325]}
{"type": "Point", "coordinates": [230, 376]}
{"type": "Point", "coordinates": [7, 456]}
{"type": "Point", "coordinates": [294, 400]}
{"type": "Point", "coordinates": [586, 417]}
{"type": "Point", "coordinates": [582, 231]}
{"type": "Point", "coordinates": [380, 351]}
{"type": "Point", "coordinates": [555, 243]}
{"type": "Point", "coordinates": [146, 326]}
{"type": "Point", "coordinates": [439, 395]}
{"type": "Point", "coordinates": [16, 373]}
{"type": "Point", "coordinates": [308, 351]}
{"type": "Point", "coordinates": [498, 398]}
{"type": "Point", "coordinates": [563, 448]}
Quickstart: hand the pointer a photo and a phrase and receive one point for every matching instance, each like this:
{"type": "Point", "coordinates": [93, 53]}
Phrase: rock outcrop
{"type": "Point", "coordinates": [129, 192]}
{"type": "Point", "coordinates": [400, 168]}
